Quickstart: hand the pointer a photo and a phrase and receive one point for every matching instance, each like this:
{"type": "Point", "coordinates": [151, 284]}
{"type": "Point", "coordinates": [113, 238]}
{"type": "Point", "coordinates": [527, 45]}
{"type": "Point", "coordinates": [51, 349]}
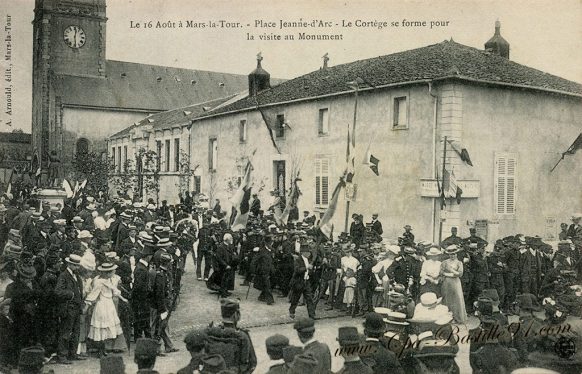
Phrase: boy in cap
{"type": "Point", "coordinates": [146, 351]}
{"type": "Point", "coordinates": [305, 328]}
{"type": "Point", "coordinates": [275, 345]}
{"type": "Point", "coordinates": [349, 342]}
{"type": "Point", "coordinates": [195, 344]}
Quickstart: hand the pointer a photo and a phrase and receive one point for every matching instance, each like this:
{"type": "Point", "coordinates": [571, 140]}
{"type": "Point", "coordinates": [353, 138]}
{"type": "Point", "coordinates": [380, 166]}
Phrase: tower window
{"type": "Point", "coordinates": [400, 113]}
{"type": "Point", "coordinates": [280, 126]}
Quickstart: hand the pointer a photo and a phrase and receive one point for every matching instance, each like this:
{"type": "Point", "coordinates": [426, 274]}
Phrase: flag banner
{"type": "Point", "coordinates": [372, 162]}
{"type": "Point", "coordinates": [325, 225]}
{"type": "Point", "coordinates": [350, 154]}
{"type": "Point", "coordinates": [281, 217]}
{"type": "Point", "coordinates": [8, 192]}
{"type": "Point", "coordinates": [450, 188]}
{"type": "Point", "coordinates": [576, 145]}
{"type": "Point", "coordinates": [76, 189]}
{"type": "Point", "coordinates": [241, 199]}
{"type": "Point", "coordinates": [67, 187]}
{"type": "Point", "coordinates": [461, 151]}
{"type": "Point", "coordinates": [441, 193]}
{"type": "Point", "coordinates": [270, 123]}
{"type": "Point", "coordinates": [83, 184]}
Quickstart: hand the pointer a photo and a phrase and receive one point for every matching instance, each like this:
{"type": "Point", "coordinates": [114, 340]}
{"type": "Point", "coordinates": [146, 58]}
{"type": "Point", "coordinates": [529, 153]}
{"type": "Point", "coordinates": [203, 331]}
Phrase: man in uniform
{"type": "Point", "coordinates": [231, 342]}
{"type": "Point", "coordinates": [492, 356]}
{"type": "Point", "coordinates": [480, 272]}
{"type": "Point", "coordinates": [408, 236]}
{"type": "Point", "coordinates": [376, 225]}
{"type": "Point", "coordinates": [524, 341]}
{"type": "Point", "coordinates": [405, 270]}
{"type": "Point", "coordinates": [452, 240]}
{"type": "Point", "coordinates": [195, 342]}
{"type": "Point", "coordinates": [47, 312]}
{"type": "Point", "coordinates": [305, 328]}
{"type": "Point", "coordinates": [365, 279]}
{"type": "Point", "coordinates": [275, 345]}
{"type": "Point", "coordinates": [357, 229]}
{"type": "Point", "coordinates": [163, 298]}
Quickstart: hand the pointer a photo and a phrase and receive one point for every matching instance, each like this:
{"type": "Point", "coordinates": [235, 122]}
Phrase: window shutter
{"type": "Point", "coordinates": [505, 183]}
{"type": "Point", "coordinates": [317, 181]}
{"type": "Point", "coordinates": [324, 181]}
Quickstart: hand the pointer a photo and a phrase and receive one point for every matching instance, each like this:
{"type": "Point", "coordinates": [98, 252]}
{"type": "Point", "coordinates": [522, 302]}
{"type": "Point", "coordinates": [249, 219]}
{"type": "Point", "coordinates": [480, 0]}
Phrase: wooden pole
{"type": "Point", "coordinates": [442, 190]}
{"type": "Point", "coordinates": [353, 140]}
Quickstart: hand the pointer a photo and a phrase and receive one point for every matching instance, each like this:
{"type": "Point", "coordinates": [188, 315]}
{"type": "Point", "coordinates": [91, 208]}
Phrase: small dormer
{"type": "Point", "coordinates": [497, 44]}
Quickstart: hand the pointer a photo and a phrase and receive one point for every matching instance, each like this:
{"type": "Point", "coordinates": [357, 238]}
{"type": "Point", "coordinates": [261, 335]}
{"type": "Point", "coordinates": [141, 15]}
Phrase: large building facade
{"type": "Point", "coordinates": [80, 97]}
{"type": "Point", "coordinates": [513, 120]}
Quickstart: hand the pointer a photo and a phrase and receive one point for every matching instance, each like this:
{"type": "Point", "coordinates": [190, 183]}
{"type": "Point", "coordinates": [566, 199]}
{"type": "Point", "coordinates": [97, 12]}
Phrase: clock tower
{"type": "Point", "coordinates": [69, 40]}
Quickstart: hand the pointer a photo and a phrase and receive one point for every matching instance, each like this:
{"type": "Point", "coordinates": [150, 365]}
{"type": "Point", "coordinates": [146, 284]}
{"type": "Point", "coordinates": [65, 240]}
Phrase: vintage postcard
{"type": "Point", "coordinates": [196, 186]}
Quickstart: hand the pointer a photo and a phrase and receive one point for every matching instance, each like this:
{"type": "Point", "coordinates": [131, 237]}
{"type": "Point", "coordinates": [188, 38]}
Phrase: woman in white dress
{"type": "Point", "coordinates": [430, 273]}
{"type": "Point", "coordinates": [105, 323]}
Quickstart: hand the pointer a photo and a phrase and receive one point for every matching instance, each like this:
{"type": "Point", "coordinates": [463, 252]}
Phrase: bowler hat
{"type": "Point", "coordinates": [348, 335]}
{"type": "Point", "coordinates": [26, 271]}
{"type": "Point", "coordinates": [374, 323]}
{"type": "Point", "coordinates": [304, 324]}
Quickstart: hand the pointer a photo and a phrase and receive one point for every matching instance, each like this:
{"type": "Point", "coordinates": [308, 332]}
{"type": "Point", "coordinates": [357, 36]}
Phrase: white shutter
{"type": "Point", "coordinates": [505, 183]}
{"type": "Point", "coordinates": [317, 181]}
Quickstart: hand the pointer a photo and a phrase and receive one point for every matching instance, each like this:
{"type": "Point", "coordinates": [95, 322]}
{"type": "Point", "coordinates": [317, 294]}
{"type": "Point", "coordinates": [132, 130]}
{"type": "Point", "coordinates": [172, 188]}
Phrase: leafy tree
{"type": "Point", "coordinates": [93, 167]}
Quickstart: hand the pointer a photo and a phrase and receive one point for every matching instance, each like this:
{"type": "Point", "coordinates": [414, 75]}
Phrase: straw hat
{"type": "Point", "coordinates": [106, 266]}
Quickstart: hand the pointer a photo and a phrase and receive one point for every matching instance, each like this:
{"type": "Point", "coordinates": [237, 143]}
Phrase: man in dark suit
{"type": "Point", "coordinates": [300, 285]}
{"type": "Point", "coordinates": [163, 299]}
{"type": "Point", "coordinates": [376, 225]}
{"type": "Point", "coordinates": [264, 269]}
{"type": "Point", "coordinates": [357, 229]}
{"type": "Point", "coordinates": [70, 296]}
{"type": "Point", "coordinates": [379, 358]}
{"type": "Point", "coordinates": [140, 293]}
{"type": "Point", "coordinates": [256, 205]}
{"type": "Point", "coordinates": [305, 328]}
{"type": "Point", "coordinates": [224, 263]}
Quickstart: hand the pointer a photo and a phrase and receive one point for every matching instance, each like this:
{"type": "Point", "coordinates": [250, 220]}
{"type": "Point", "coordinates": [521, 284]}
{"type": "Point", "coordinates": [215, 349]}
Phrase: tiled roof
{"type": "Point", "coordinates": [153, 88]}
{"type": "Point", "coordinates": [15, 137]}
{"type": "Point", "coordinates": [447, 59]}
{"type": "Point", "coordinates": [174, 117]}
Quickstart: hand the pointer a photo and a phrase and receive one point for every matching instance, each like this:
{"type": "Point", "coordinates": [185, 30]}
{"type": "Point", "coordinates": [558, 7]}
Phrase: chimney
{"type": "Point", "coordinates": [259, 79]}
{"type": "Point", "coordinates": [497, 44]}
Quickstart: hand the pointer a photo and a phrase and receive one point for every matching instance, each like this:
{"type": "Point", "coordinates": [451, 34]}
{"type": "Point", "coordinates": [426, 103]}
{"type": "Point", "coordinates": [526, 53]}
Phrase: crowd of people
{"type": "Point", "coordinates": [96, 274]}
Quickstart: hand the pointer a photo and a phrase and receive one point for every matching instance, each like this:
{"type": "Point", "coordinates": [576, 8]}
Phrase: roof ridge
{"type": "Point", "coordinates": [177, 68]}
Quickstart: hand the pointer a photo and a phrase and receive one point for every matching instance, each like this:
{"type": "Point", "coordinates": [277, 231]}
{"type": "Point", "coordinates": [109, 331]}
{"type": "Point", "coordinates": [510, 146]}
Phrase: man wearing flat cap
{"type": "Point", "coordinates": [305, 328]}
{"type": "Point", "coordinates": [275, 345]}
{"type": "Point", "coordinates": [146, 352]}
{"type": "Point", "coordinates": [230, 341]}
{"type": "Point", "coordinates": [195, 342]}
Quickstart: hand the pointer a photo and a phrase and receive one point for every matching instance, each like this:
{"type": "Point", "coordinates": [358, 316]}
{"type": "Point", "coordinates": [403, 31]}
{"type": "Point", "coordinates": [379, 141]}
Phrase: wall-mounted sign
{"type": "Point", "coordinates": [471, 188]}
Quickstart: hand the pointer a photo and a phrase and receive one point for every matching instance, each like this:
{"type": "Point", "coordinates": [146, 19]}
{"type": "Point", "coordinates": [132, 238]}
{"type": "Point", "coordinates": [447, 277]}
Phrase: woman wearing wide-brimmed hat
{"type": "Point", "coordinates": [430, 278]}
{"type": "Point", "coordinates": [452, 291]}
{"type": "Point", "coordinates": [105, 323]}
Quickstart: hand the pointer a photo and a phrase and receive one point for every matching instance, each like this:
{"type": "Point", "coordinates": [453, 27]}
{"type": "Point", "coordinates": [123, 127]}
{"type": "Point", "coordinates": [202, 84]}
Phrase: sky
{"type": "Point", "coordinates": [543, 34]}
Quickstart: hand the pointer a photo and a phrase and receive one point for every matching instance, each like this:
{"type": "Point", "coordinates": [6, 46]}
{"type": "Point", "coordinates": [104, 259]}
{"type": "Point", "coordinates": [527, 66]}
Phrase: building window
{"type": "Point", "coordinates": [279, 176]}
{"type": "Point", "coordinates": [177, 154]}
{"type": "Point", "coordinates": [323, 128]}
{"type": "Point", "coordinates": [212, 154]}
{"type": "Point", "coordinates": [167, 158]}
{"type": "Point", "coordinates": [242, 131]}
{"type": "Point", "coordinates": [125, 158]}
{"type": "Point", "coordinates": [322, 181]}
{"type": "Point", "coordinates": [82, 146]}
{"type": "Point", "coordinates": [505, 183]}
{"type": "Point", "coordinates": [159, 154]}
{"type": "Point", "coordinates": [400, 113]}
{"type": "Point", "coordinates": [119, 158]}
{"type": "Point", "coordinates": [280, 126]}
{"type": "Point", "coordinates": [197, 183]}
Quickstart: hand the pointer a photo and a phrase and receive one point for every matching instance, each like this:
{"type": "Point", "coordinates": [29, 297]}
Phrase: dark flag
{"type": "Point", "coordinates": [269, 122]}
{"type": "Point", "coordinates": [372, 162]}
{"type": "Point", "coordinates": [462, 152]}
{"type": "Point", "coordinates": [572, 150]}
{"type": "Point", "coordinates": [240, 201]}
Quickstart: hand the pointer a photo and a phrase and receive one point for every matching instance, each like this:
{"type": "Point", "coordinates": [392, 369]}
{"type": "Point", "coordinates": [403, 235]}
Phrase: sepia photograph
{"type": "Point", "coordinates": [302, 187]}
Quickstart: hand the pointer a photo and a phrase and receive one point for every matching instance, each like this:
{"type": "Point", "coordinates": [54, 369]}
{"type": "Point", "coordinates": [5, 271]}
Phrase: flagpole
{"type": "Point", "coordinates": [353, 140]}
{"type": "Point", "coordinates": [442, 189]}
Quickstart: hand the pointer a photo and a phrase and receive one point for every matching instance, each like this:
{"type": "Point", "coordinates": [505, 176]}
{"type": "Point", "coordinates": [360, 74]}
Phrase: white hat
{"type": "Point", "coordinates": [91, 206]}
{"type": "Point", "coordinates": [88, 263]}
{"type": "Point", "coordinates": [576, 216]}
{"type": "Point", "coordinates": [429, 299]}
{"type": "Point", "coordinates": [394, 249]}
{"type": "Point", "coordinates": [151, 207]}
{"type": "Point", "coordinates": [84, 234]}
{"type": "Point", "coordinates": [137, 204]}
{"type": "Point", "coordinates": [433, 251]}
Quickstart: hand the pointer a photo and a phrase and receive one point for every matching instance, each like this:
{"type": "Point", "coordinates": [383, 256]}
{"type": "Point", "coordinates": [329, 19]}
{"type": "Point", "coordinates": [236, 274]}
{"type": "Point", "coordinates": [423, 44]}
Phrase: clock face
{"type": "Point", "coordinates": [74, 36]}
